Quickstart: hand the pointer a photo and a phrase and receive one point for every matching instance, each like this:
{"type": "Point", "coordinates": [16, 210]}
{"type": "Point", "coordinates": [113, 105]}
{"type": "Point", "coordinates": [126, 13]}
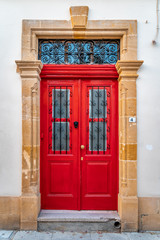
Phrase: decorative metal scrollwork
{"type": "Point", "coordinates": [79, 51]}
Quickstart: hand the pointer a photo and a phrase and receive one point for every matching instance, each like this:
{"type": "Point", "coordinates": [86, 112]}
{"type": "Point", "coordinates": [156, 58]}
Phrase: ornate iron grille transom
{"type": "Point", "coordinates": [78, 51]}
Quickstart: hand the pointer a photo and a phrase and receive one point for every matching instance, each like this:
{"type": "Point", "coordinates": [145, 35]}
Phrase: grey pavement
{"type": "Point", "coordinates": [33, 235]}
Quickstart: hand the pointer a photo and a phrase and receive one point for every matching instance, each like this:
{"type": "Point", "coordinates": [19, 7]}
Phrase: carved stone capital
{"type": "Point", "coordinates": [128, 69]}
{"type": "Point", "coordinates": [29, 69]}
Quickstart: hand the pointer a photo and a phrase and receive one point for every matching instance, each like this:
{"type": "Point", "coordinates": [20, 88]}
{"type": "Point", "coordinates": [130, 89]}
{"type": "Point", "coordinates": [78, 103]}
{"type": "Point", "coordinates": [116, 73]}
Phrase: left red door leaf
{"type": "Point", "coordinates": [59, 167]}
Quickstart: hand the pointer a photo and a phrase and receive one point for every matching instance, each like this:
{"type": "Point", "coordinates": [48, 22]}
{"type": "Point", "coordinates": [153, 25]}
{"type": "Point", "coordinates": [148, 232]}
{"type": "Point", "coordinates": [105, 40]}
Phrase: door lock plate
{"type": "Point", "coordinates": [76, 124]}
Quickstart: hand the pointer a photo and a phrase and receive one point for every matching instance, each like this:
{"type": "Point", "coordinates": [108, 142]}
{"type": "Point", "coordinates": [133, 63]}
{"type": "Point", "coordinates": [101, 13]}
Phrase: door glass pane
{"type": "Point", "coordinates": [97, 136]}
{"type": "Point", "coordinates": [97, 103]}
{"type": "Point", "coordinates": [60, 103]}
{"type": "Point", "coordinates": [98, 118]}
{"type": "Point", "coordinates": [60, 136]}
{"type": "Point", "coordinates": [60, 119]}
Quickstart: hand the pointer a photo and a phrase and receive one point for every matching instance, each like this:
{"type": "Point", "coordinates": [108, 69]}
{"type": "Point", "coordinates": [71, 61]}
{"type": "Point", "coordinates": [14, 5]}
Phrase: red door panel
{"type": "Point", "coordinates": [79, 163]}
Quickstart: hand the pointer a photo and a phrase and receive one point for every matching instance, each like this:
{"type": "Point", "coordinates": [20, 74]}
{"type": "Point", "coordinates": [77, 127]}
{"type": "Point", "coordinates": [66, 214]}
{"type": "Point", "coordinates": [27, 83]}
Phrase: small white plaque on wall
{"type": "Point", "coordinates": [132, 119]}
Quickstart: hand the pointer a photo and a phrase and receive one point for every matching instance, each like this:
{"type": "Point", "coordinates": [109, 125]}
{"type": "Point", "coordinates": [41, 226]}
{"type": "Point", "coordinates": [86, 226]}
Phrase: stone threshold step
{"type": "Point", "coordinates": [77, 216]}
{"type": "Point", "coordinates": [78, 221]}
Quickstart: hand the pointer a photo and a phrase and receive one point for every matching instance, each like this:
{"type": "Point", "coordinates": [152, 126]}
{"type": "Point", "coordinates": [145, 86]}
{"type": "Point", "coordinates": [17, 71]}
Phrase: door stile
{"type": "Point", "coordinates": [115, 137]}
{"type": "Point", "coordinates": [78, 144]}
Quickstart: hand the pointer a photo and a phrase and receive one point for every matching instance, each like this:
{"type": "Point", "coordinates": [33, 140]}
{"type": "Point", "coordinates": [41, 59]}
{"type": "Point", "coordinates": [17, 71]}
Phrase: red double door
{"type": "Point", "coordinates": [79, 167]}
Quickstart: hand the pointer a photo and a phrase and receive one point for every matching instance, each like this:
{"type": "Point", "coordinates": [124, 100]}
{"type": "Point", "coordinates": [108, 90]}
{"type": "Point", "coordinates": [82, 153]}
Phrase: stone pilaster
{"type": "Point", "coordinates": [30, 199]}
{"type": "Point", "coordinates": [128, 201]}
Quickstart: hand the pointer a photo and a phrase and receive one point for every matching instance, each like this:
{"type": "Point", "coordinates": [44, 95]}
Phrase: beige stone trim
{"type": "Point", "coordinates": [19, 212]}
{"type": "Point", "coordinates": [128, 211]}
{"type": "Point", "coordinates": [29, 67]}
{"type": "Point", "coordinates": [30, 199]}
{"type": "Point", "coordinates": [125, 30]}
{"type": "Point", "coordinates": [128, 69]}
{"type": "Point", "coordinates": [79, 17]}
{"type": "Point", "coordinates": [9, 213]}
{"type": "Point", "coordinates": [29, 210]}
{"type": "Point", "coordinates": [29, 72]}
{"type": "Point", "coordinates": [128, 201]}
{"type": "Point", "coordinates": [149, 213]}
{"type": "Point", "coordinates": [12, 218]}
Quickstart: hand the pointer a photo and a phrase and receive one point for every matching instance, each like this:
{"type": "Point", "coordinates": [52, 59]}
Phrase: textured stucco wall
{"type": "Point", "coordinates": [148, 84]}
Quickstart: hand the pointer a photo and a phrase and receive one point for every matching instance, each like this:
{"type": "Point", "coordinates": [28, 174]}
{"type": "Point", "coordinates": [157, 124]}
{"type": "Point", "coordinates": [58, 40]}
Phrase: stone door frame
{"type": "Point", "coordinates": [29, 67]}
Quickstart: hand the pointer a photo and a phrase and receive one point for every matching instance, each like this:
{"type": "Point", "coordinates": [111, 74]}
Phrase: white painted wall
{"type": "Point", "coordinates": [148, 84]}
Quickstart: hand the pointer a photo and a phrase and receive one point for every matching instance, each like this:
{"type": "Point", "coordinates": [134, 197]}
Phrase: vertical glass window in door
{"type": "Point", "coordinates": [99, 111]}
{"type": "Point", "coordinates": [60, 119]}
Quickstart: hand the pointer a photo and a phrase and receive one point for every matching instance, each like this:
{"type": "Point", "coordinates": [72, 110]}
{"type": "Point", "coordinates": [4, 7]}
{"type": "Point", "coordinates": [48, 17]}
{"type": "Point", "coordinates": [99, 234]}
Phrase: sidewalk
{"type": "Point", "coordinates": [33, 235]}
